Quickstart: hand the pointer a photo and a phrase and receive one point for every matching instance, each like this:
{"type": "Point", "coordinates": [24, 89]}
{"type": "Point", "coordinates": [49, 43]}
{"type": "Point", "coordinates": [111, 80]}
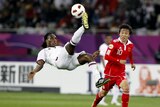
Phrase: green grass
{"type": "Point", "coordinates": [30, 99]}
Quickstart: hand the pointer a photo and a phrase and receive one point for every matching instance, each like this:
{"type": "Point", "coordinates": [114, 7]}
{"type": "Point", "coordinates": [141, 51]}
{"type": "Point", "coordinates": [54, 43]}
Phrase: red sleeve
{"type": "Point", "coordinates": [109, 52]}
{"type": "Point", "coordinates": [131, 56]}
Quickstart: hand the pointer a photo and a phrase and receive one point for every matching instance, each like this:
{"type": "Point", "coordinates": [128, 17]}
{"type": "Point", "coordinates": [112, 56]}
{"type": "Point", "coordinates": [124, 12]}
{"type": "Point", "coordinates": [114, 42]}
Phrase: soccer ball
{"type": "Point", "coordinates": [77, 10]}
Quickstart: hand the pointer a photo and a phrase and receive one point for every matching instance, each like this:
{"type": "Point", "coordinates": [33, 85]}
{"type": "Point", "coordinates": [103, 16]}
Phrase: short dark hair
{"type": "Point", "coordinates": [125, 26]}
{"type": "Point", "coordinates": [44, 45]}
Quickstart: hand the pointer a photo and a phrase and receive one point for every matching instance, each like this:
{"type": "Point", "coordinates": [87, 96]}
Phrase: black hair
{"type": "Point", "coordinates": [125, 26]}
{"type": "Point", "coordinates": [106, 35]}
{"type": "Point", "coordinates": [44, 45]}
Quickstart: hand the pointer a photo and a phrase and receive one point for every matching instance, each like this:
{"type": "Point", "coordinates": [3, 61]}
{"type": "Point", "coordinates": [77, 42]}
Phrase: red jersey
{"type": "Point", "coordinates": [117, 51]}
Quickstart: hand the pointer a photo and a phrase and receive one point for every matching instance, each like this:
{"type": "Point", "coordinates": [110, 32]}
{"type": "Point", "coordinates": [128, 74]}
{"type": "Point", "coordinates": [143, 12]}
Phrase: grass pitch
{"type": "Point", "coordinates": [31, 99]}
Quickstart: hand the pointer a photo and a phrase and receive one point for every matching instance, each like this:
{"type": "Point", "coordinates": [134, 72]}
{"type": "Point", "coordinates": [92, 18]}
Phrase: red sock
{"type": "Point", "coordinates": [125, 100]}
{"type": "Point", "coordinates": [96, 100]}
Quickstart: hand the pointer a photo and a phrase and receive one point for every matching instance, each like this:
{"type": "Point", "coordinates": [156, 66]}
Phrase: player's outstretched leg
{"type": "Point", "coordinates": [101, 81]}
{"type": "Point", "coordinates": [90, 59]}
{"type": "Point", "coordinates": [70, 47]}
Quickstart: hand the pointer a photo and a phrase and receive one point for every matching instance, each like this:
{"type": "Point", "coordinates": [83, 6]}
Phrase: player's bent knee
{"type": "Point", "coordinates": [84, 58]}
{"type": "Point", "coordinates": [88, 57]}
{"type": "Point", "coordinates": [125, 87]}
{"type": "Point", "coordinates": [125, 90]}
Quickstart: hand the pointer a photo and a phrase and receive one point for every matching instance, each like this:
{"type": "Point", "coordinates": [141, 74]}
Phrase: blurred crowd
{"type": "Point", "coordinates": [40, 16]}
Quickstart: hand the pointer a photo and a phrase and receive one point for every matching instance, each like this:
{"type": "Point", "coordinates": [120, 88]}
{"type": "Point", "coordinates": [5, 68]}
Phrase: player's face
{"type": "Point", "coordinates": [51, 40]}
{"type": "Point", "coordinates": [108, 39]}
{"type": "Point", "coordinates": [124, 35]}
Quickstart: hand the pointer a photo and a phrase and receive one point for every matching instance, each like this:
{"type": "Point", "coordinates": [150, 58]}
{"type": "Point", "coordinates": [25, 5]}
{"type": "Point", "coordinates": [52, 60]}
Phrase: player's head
{"type": "Point", "coordinates": [127, 27]}
{"type": "Point", "coordinates": [125, 31]}
{"type": "Point", "coordinates": [107, 39]}
{"type": "Point", "coordinates": [50, 40]}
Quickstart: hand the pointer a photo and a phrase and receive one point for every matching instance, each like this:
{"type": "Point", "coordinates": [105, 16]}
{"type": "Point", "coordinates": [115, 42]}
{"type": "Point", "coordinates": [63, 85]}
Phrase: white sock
{"type": "Point", "coordinates": [93, 68]}
{"type": "Point", "coordinates": [115, 92]}
{"type": "Point", "coordinates": [77, 36]}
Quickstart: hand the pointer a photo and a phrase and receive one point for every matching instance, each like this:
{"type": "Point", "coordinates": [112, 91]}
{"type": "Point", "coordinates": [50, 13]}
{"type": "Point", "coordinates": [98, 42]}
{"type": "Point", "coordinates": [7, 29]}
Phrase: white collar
{"type": "Point", "coordinates": [128, 42]}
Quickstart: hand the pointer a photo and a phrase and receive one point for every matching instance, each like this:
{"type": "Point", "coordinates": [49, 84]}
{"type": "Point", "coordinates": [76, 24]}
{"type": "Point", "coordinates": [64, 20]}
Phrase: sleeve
{"type": "Point", "coordinates": [41, 55]}
{"type": "Point", "coordinates": [131, 56]}
{"type": "Point", "coordinates": [102, 50]}
{"type": "Point", "coordinates": [109, 52]}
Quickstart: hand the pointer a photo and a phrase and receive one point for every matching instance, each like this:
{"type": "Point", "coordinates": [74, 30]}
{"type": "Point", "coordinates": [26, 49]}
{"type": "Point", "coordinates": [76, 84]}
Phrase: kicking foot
{"type": "Point", "coordinates": [95, 54]}
{"type": "Point", "coordinates": [101, 82]}
{"type": "Point", "coordinates": [85, 20]}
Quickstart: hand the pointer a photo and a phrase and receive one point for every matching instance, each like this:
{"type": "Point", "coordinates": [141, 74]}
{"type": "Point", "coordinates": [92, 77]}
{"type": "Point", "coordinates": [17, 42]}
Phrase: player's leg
{"type": "Point", "coordinates": [115, 92]}
{"type": "Point", "coordinates": [70, 47]}
{"type": "Point", "coordinates": [87, 58]}
{"type": "Point", "coordinates": [104, 90]}
{"type": "Point", "coordinates": [102, 102]}
{"type": "Point", "coordinates": [125, 95]}
{"type": "Point", "coordinates": [101, 69]}
{"type": "Point", "coordinates": [79, 58]}
{"type": "Point", "coordinates": [90, 59]}
{"type": "Point", "coordinates": [99, 97]}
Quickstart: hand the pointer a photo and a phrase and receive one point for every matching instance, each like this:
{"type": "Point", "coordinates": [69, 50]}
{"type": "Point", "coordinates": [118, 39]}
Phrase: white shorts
{"type": "Point", "coordinates": [66, 61]}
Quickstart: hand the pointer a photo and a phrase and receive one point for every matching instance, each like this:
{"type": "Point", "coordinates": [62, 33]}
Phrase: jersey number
{"type": "Point", "coordinates": [119, 52]}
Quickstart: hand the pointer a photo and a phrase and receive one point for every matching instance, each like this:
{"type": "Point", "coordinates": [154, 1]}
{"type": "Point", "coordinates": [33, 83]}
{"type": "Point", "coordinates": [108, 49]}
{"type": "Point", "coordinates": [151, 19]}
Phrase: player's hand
{"type": "Point", "coordinates": [123, 61]}
{"type": "Point", "coordinates": [133, 67]}
{"type": "Point", "coordinates": [95, 54]}
{"type": "Point", "coordinates": [31, 75]}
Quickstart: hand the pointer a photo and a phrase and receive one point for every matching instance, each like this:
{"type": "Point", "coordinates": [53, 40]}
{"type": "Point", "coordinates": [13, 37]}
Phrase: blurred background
{"type": "Point", "coordinates": [24, 22]}
{"type": "Point", "coordinates": [40, 16]}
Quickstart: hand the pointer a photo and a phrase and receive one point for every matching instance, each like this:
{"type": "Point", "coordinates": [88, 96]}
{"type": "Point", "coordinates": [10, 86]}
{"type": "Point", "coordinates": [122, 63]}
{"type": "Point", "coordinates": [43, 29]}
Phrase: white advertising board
{"type": "Point", "coordinates": [143, 81]}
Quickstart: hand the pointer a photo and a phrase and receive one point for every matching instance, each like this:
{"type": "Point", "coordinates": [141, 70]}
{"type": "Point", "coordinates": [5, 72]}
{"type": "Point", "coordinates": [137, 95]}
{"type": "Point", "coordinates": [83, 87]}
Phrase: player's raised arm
{"type": "Point", "coordinates": [38, 67]}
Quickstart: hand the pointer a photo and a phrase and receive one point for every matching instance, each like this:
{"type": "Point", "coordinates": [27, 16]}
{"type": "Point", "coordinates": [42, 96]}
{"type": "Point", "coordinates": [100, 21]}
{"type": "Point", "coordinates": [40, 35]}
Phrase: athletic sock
{"type": "Point", "coordinates": [93, 68]}
{"type": "Point", "coordinates": [96, 100]}
{"type": "Point", "coordinates": [77, 36]}
{"type": "Point", "coordinates": [115, 92]}
{"type": "Point", "coordinates": [125, 100]}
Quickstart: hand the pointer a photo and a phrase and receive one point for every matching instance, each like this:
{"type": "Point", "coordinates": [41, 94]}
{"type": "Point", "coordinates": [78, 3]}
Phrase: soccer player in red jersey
{"type": "Point", "coordinates": [117, 53]}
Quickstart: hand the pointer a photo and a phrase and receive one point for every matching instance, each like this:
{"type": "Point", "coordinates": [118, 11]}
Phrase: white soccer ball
{"type": "Point", "coordinates": [77, 10]}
